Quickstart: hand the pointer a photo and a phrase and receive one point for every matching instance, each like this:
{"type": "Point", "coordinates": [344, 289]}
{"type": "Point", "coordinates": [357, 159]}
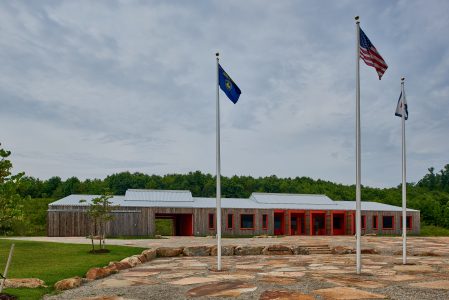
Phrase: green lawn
{"type": "Point", "coordinates": [54, 261]}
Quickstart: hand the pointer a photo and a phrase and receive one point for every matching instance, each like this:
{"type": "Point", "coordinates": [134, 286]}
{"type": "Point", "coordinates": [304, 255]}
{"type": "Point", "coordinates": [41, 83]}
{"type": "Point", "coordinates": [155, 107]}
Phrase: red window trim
{"type": "Point", "coordinates": [375, 224]}
{"type": "Point", "coordinates": [410, 227]}
{"type": "Point", "coordinates": [363, 222]}
{"type": "Point", "coordinates": [392, 223]}
{"type": "Point", "coordinates": [213, 221]}
{"type": "Point", "coordinates": [265, 225]}
{"type": "Point", "coordinates": [232, 222]}
{"type": "Point", "coordinates": [254, 222]}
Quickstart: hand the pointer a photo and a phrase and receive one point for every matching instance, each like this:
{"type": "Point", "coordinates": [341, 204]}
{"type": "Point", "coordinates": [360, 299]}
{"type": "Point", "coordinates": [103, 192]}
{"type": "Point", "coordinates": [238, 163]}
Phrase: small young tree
{"type": "Point", "coordinates": [99, 211]}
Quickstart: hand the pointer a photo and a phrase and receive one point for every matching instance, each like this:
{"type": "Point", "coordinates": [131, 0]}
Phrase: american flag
{"type": "Point", "coordinates": [370, 55]}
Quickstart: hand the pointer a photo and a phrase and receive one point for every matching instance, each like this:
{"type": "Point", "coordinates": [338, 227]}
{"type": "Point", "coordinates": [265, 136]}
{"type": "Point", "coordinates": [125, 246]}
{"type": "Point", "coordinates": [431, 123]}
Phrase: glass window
{"type": "Point", "coordinates": [247, 221]}
{"type": "Point", "coordinates": [409, 222]}
{"type": "Point", "coordinates": [375, 222]}
{"type": "Point", "coordinates": [211, 221]}
{"type": "Point", "coordinates": [387, 222]}
{"type": "Point", "coordinates": [363, 222]}
{"type": "Point", "coordinates": [230, 221]}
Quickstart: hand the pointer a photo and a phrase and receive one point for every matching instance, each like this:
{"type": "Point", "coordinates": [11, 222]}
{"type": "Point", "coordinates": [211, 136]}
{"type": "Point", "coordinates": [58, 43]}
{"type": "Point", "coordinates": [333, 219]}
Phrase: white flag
{"type": "Point", "coordinates": [402, 102]}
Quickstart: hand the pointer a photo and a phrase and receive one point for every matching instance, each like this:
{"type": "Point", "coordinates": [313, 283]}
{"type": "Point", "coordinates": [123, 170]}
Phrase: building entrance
{"type": "Point", "coordinates": [297, 223]}
{"type": "Point", "coordinates": [182, 223]}
{"type": "Point", "coordinates": [279, 225]}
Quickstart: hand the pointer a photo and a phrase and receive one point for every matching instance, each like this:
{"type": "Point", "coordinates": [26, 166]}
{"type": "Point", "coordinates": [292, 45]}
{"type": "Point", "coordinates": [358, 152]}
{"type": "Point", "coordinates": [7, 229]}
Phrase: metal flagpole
{"type": "Point", "coordinates": [358, 168]}
{"type": "Point", "coordinates": [218, 225]}
{"type": "Point", "coordinates": [5, 274]}
{"type": "Point", "coordinates": [404, 183]}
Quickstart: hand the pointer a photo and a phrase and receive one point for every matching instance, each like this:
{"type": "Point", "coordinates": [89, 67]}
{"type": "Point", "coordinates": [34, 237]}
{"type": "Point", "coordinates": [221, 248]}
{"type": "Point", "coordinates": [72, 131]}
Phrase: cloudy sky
{"type": "Point", "coordinates": [89, 88]}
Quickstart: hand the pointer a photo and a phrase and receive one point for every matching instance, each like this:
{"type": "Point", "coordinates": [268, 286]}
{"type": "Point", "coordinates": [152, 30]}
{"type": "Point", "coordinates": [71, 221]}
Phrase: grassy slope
{"type": "Point", "coordinates": [53, 261]}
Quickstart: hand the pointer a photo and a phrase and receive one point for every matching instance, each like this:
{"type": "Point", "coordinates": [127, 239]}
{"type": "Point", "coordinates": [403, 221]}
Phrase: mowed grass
{"type": "Point", "coordinates": [52, 262]}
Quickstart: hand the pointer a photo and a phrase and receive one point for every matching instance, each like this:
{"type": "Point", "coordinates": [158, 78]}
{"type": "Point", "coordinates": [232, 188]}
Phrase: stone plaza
{"type": "Point", "coordinates": [313, 276]}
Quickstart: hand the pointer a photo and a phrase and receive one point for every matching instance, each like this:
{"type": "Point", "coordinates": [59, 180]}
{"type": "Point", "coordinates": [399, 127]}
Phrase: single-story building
{"type": "Point", "coordinates": [135, 214]}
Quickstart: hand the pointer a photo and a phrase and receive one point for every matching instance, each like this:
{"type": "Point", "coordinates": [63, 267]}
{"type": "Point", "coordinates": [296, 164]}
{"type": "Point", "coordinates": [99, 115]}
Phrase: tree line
{"type": "Point", "coordinates": [430, 195]}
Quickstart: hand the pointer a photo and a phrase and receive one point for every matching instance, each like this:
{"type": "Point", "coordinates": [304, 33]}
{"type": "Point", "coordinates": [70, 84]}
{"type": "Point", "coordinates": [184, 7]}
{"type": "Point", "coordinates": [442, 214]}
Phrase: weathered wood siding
{"type": "Point", "coordinates": [397, 226]}
{"type": "Point", "coordinates": [136, 221]}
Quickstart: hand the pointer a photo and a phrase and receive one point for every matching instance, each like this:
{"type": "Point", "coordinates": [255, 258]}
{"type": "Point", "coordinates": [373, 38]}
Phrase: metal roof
{"type": "Point", "coordinates": [250, 203]}
{"type": "Point", "coordinates": [184, 199]}
{"type": "Point", "coordinates": [370, 206]}
{"type": "Point", "coordinates": [74, 200]}
{"type": "Point", "coordinates": [299, 199]}
{"type": "Point", "coordinates": [158, 195]}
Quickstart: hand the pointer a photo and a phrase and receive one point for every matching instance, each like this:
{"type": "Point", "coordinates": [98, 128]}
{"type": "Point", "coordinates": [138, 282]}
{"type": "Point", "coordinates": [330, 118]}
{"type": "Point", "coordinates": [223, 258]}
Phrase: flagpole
{"type": "Point", "coordinates": [218, 212]}
{"type": "Point", "coordinates": [404, 182]}
{"type": "Point", "coordinates": [358, 161]}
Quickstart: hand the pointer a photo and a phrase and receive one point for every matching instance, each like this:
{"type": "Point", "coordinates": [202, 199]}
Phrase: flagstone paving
{"type": "Point", "coordinates": [274, 277]}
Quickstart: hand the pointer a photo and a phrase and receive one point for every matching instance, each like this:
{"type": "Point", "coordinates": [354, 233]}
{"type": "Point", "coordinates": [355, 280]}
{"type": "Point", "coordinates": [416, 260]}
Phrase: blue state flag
{"type": "Point", "coordinates": [228, 86]}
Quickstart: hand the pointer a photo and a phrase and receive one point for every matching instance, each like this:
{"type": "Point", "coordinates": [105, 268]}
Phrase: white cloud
{"type": "Point", "coordinates": [90, 88]}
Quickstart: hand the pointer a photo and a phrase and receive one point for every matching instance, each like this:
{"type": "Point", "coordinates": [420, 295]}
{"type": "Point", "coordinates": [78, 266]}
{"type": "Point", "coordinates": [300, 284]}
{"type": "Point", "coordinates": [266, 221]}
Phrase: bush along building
{"type": "Point", "coordinates": [135, 214]}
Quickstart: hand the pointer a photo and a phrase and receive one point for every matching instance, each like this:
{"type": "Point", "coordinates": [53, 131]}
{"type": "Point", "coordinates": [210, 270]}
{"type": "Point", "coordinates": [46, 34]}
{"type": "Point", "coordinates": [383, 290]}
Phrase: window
{"type": "Point", "coordinates": [230, 221]}
{"type": "Point", "coordinates": [246, 221]}
{"type": "Point", "coordinates": [387, 222]}
{"type": "Point", "coordinates": [375, 222]}
{"type": "Point", "coordinates": [264, 221]}
{"type": "Point", "coordinates": [211, 221]}
{"type": "Point", "coordinates": [409, 222]}
{"type": "Point", "coordinates": [363, 222]}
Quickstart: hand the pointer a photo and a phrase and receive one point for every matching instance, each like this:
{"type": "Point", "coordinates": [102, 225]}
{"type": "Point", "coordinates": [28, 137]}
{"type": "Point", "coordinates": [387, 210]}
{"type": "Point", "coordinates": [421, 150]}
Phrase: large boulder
{"type": "Point", "coordinates": [132, 260]}
{"type": "Point", "coordinates": [142, 258]}
{"type": "Point", "coordinates": [225, 250]}
{"type": "Point", "coordinates": [149, 254]}
{"type": "Point", "coordinates": [277, 250]}
{"type": "Point", "coordinates": [196, 251]}
{"type": "Point", "coordinates": [300, 250]}
{"type": "Point", "coordinates": [24, 283]}
{"type": "Point", "coordinates": [169, 252]}
{"type": "Point", "coordinates": [69, 283]}
{"type": "Point", "coordinates": [122, 265]}
{"type": "Point", "coordinates": [248, 250]}
{"type": "Point", "coordinates": [341, 250]}
{"type": "Point", "coordinates": [97, 273]}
